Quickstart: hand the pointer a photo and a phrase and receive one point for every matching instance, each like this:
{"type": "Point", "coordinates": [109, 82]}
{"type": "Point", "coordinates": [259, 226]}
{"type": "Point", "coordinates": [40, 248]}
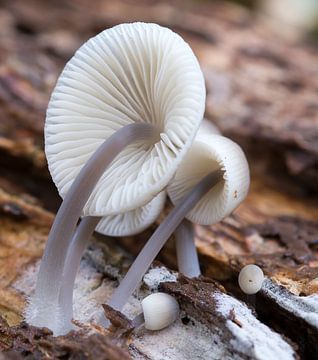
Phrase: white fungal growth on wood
{"type": "Point", "coordinates": [249, 336]}
{"type": "Point", "coordinates": [160, 310]}
{"type": "Point", "coordinates": [157, 275]}
{"type": "Point", "coordinates": [304, 307]}
{"type": "Point", "coordinates": [251, 279]}
{"type": "Point", "coordinates": [179, 341]}
{"type": "Point", "coordinates": [194, 341]}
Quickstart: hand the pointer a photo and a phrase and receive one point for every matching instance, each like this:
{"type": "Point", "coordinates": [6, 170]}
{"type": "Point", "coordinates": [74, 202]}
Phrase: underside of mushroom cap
{"type": "Point", "coordinates": [208, 153]}
{"type": "Point", "coordinates": [134, 221]}
{"type": "Point", "coordinates": [131, 73]}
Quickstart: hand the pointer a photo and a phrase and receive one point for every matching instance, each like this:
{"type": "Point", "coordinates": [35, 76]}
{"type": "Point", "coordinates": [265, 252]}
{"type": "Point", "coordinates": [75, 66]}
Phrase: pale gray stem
{"type": "Point", "coordinates": [187, 256]}
{"type": "Point", "coordinates": [137, 270]}
{"type": "Point", "coordinates": [78, 245]}
{"type": "Point", "coordinates": [52, 264]}
{"type": "Point", "coordinates": [138, 320]}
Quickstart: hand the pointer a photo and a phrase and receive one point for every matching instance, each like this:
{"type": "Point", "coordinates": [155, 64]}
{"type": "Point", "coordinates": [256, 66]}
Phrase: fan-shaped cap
{"type": "Point", "coordinates": [131, 73]}
{"type": "Point", "coordinates": [134, 221]}
{"type": "Point", "coordinates": [208, 153]}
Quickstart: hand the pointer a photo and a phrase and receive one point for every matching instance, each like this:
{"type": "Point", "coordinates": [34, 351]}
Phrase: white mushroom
{"type": "Point", "coordinates": [131, 73]}
{"type": "Point", "coordinates": [160, 310]}
{"type": "Point", "coordinates": [208, 152]}
{"type": "Point", "coordinates": [123, 114]}
{"type": "Point", "coordinates": [251, 279]}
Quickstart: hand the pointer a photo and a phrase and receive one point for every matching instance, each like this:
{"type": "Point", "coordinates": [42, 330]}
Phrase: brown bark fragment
{"type": "Point", "coordinates": [40, 344]}
{"type": "Point", "coordinates": [121, 325]}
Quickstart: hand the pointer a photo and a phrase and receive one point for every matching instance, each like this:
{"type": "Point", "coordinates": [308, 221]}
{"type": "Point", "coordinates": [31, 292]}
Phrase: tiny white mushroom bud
{"type": "Point", "coordinates": [251, 279]}
{"type": "Point", "coordinates": [160, 310]}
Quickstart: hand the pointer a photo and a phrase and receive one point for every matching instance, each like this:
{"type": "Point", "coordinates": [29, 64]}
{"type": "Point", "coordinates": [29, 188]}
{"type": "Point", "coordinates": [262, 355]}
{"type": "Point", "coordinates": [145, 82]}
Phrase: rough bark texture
{"type": "Point", "coordinates": [28, 341]}
{"type": "Point", "coordinates": [262, 93]}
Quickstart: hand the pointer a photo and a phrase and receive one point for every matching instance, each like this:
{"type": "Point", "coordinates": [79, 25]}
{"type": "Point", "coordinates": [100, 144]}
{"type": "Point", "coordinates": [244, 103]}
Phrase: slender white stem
{"type": "Point", "coordinates": [78, 245]}
{"type": "Point", "coordinates": [137, 270]}
{"type": "Point", "coordinates": [187, 256]}
{"type": "Point", "coordinates": [44, 303]}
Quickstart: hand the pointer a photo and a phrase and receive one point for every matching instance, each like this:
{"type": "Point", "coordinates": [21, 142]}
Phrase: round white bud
{"type": "Point", "coordinates": [251, 279]}
{"type": "Point", "coordinates": [160, 310]}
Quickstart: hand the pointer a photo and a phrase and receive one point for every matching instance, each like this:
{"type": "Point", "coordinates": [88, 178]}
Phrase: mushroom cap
{"type": "Point", "coordinates": [208, 153]}
{"type": "Point", "coordinates": [251, 279]}
{"type": "Point", "coordinates": [160, 310]}
{"type": "Point", "coordinates": [134, 221]}
{"type": "Point", "coordinates": [208, 127]}
{"type": "Point", "coordinates": [131, 73]}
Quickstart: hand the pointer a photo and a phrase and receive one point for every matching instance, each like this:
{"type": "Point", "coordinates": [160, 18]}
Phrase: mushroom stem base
{"type": "Point", "coordinates": [187, 256]}
{"type": "Point", "coordinates": [50, 275]}
{"type": "Point", "coordinates": [79, 243]}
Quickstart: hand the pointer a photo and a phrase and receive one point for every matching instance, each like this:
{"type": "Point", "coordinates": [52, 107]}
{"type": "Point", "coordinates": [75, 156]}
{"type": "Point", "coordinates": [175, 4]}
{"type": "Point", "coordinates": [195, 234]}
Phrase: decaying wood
{"type": "Point", "coordinates": [262, 93]}
{"type": "Point", "coordinates": [23, 232]}
{"type": "Point", "coordinates": [212, 325]}
{"type": "Point", "coordinates": [23, 341]}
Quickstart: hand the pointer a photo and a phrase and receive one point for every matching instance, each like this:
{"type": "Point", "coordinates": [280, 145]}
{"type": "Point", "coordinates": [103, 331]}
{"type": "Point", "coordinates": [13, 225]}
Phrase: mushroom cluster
{"type": "Point", "coordinates": [122, 131]}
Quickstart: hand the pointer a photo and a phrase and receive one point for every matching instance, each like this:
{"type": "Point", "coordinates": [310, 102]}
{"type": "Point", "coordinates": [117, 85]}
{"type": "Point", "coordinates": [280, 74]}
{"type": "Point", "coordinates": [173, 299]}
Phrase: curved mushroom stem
{"type": "Point", "coordinates": [44, 308]}
{"type": "Point", "coordinates": [137, 270]}
{"type": "Point", "coordinates": [78, 245]}
{"type": "Point", "coordinates": [187, 256]}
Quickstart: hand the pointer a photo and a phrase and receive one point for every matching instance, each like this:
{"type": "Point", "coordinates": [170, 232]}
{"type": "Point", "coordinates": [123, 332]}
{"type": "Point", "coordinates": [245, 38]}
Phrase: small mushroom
{"type": "Point", "coordinates": [160, 310]}
{"type": "Point", "coordinates": [209, 151]}
{"type": "Point", "coordinates": [210, 182]}
{"type": "Point", "coordinates": [122, 116]}
{"type": "Point", "coordinates": [251, 279]}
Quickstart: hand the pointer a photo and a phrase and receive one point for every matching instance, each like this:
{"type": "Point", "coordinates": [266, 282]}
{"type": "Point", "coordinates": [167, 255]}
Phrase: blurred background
{"type": "Point", "coordinates": [259, 58]}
